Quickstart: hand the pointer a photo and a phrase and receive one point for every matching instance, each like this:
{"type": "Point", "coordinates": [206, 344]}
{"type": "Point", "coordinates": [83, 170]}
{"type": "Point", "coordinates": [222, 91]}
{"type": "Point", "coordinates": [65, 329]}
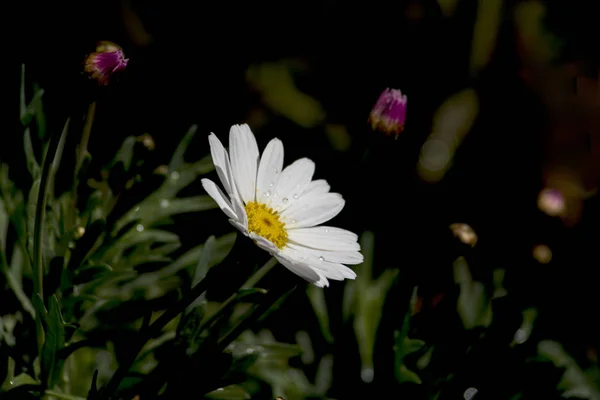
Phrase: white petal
{"type": "Point", "coordinates": [325, 238]}
{"type": "Point", "coordinates": [239, 227]}
{"type": "Point", "coordinates": [313, 209]}
{"type": "Point", "coordinates": [219, 197]}
{"type": "Point", "coordinates": [291, 183]}
{"type": "Point", "coordinates": [315, 187]}
{"type": "Point", "coordinates": [244, 160]}
{"type": "Point", "coordinates": [221, 161]}
{"type": "Point", "coordinates": [240, 212]}
{"type": "Point", "coordinates": [264, 244]}
{"type": "Point", "coordinates": [329, 263]}
{"type": "Point", "coordinates": [300, 269]}
{"type": "Point", "coordinates": [269, 169]}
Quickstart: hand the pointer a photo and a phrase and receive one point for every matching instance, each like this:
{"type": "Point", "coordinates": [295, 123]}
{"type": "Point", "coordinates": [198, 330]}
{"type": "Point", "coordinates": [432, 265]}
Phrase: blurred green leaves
{"type": "Point", "coordinates": [364, 299]}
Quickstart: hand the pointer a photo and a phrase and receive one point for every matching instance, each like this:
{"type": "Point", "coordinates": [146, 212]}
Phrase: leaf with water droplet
{"type": "Point", "coordinates": [233, 392]}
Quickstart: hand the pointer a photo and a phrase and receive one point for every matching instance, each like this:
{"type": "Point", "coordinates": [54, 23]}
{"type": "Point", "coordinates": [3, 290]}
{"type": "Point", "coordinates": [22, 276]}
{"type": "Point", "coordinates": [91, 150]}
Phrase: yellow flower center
{"type": "Point", "coordinates": [265, 222]}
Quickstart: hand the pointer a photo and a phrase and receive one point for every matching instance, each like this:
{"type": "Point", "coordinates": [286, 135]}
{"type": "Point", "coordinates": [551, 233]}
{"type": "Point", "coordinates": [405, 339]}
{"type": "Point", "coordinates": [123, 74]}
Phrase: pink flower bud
{"type": "Point", "coordinates": [107, 60]}
{"type": "Point", "coordinates": [389, 113]}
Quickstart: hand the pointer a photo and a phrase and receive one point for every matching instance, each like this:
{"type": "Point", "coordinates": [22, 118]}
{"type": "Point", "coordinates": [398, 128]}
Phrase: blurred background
{"type": "Point", "coordinates": [501, 137]}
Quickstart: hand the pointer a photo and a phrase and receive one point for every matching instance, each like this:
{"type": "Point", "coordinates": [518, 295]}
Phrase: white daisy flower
{"type": "Point", "coordinates": [280, 209]}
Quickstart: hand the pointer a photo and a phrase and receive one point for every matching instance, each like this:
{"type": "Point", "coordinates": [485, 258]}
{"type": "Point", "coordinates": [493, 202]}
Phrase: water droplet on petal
{"type": "Point", "coordinates": [139, 227]}
{"type": "Point", "coordinates": [296, 196]}
{"type": "Point", "coordinates": [293, 221]}
{"type": "Point", "coordinates": [271, 184]}
{"type": "Point", "coordinates": [285, 200]}
{"type": "Point", "coordinates": [268, 193]}
{"type": "Point", "coordinates": [322, 258]}
{"type": "Point", "coordinates": [326, 230]}
{"type": "Point", "coordinates": [71, 245]}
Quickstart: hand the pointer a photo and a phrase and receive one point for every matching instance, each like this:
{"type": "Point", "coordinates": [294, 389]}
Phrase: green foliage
{"type": "Point", "coordinates": [92, 268]}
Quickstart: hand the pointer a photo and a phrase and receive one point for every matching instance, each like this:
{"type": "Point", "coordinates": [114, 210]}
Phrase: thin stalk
{"type": "Point", "coordinates": [258, 275]}
{"type": "Point", "coordinates": [252, 316]}
{"type": "Point", "coordinates": [85, 136]}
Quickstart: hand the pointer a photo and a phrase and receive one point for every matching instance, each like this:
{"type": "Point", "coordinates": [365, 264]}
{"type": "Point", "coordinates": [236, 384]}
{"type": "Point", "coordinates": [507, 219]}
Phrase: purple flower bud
{"type": "Point", "coordinates": [389, 113]}
{"type": "Point", "coordinates": [103, 63]}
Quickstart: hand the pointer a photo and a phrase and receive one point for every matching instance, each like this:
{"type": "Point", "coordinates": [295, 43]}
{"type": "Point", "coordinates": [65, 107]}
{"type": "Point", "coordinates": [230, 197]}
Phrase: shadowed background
{"type": "Point", "coordinates": [309, 74]}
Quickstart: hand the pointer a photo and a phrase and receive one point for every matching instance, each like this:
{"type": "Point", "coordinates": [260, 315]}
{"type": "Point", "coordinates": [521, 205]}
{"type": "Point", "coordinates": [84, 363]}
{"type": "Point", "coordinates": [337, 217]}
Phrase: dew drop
{"type": "Point", "coordinates": [326, 230]}
{"type": "Point", "coordinates": [268, 193]}
{"type": "Point", "coordinates": [367, 375]}
{"type": "Point", "coordinates": [470, 393]}
{"type": "Point", "coordinates": [322, 258]}
{"type": "Point", "coordinates": [285, 200]}
{"type": "Point", "coordinates": [293, 221]}
{"type": "Point", "coordinates": [271, 184]}
{"type": "Point", "coordinates": [174, 175]}
{"type": "Point", "coordinates": [139, 227]}
{"type": "Point", "coordinates": [136, 209]}
{"type": "Point", "coordinates": [164, 203]}
{"type": "Point", "coordinates": [71, 245]}
{"type": "Point", "coordinates": [296, 196]}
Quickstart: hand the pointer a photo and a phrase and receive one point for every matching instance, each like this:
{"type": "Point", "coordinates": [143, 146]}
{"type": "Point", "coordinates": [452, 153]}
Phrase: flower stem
{"type": "Point", "coordinates": [85, 137]}
{"type": "Point", "coordinates": [258, 275]}
{"type": "Point", "coordinates": [38, 232]}
{"type": "Point", "coordinates": [253, 315]}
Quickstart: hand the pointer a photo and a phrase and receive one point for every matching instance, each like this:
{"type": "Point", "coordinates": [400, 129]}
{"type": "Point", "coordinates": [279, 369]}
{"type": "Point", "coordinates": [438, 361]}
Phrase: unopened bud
{"type": "Point", "coordinates": [107, 60]}
{"type": "Point", "coordinates": [389, 113]}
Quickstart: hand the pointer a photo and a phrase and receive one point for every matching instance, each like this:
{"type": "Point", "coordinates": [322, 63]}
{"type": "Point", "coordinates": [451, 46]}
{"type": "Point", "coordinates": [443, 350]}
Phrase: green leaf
{"type": "Point", "coordinates": [55, 341]}
{"type": "Point", "coordinates": [474, 307]}
{"type": "Point", "coordinates": [233, 392]}
{"type": "Point", "coordinates": [202, 269]}
{"type": "Point", "coordinates": [403, 346]}
{"type": "Point", "coordinates": [38, 111]}
{"type": "Point", "coordinates": [32, 164]}
{"type": "Point", "coordinates": [34, 109]}
{"type": "Point", "coordinates": [31, 210]}
{"type": "Point", "coordinates": [316, 296]}
{"type": "Point", "coordinates": [13, 382]}
{"type": "Point", "coordinates": [125, 153]}
{"type": "Point", "coordinates": [178, 156]}
{"type": "Point", "coordinates": [222, 247]}
{"type": "Point", "coordinates": [89, 272]}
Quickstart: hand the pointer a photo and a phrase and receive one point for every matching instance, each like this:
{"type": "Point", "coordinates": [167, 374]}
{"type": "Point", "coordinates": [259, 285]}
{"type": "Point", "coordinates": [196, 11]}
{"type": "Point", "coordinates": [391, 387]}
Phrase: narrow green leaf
{"type": "Point", "coordinates": [37, 106]}
{"type": "Point", "coordinates": [233, 392]}
{"type": "Point", "coordinates": [202, 269]}
{"type": "Point", "coordinates": [31, 210]}
{"type": "Point", "coordinates": [55, 341]}
{"type": "Point", "coordinates": [125, 153]}
{"type": "Point", "coordinates": [32, 164]}
{"type": "Point", "coordinates": [178, 156]}
{"type": "Point", "coordinates": [316, 297]}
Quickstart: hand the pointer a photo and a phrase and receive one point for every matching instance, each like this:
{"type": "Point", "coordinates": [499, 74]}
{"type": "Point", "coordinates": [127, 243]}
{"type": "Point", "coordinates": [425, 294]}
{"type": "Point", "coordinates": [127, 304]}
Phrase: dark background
{"type": "Point", "coordinates": [187, 66]}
